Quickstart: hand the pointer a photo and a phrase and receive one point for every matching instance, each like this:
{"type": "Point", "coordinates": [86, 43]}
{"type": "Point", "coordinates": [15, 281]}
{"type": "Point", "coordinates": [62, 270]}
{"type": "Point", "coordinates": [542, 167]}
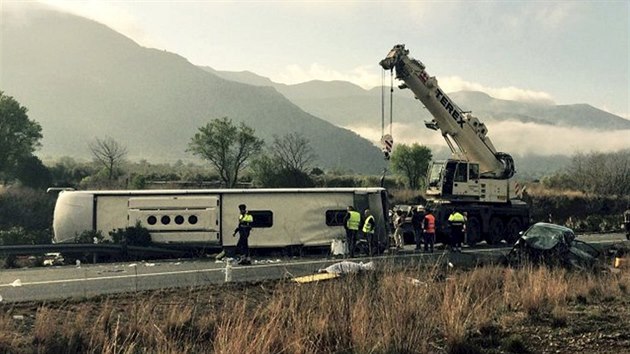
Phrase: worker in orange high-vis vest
{"type": "Point", "coordinates": [352, 222]}
{"type": "Point", "coordinates": [428, 228]}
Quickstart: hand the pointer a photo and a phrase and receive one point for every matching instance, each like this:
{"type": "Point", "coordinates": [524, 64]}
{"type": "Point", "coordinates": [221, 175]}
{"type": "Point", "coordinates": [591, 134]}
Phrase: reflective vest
{"type": "Point", "coordinates": [367, 226]}
{"type": "Point", "coordinates": [245, 219]}
{"type": "Point", "coordinates": [354, 220]}
{"type": "Point", "coordinates": [429, 226]}
{"type": "Point", "coordinates": [456, 219]}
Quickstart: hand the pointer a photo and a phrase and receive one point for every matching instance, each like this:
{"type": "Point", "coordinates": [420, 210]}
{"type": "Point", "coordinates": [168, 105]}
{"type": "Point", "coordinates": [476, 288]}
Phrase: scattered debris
{"type": "Point", "coordinates": [266, 261]}
{"type": "Point", "coordinates": [18, 317]}
{"type": "Point", "coordinates": [418, 282]}
{"type": "Point", "coordinates": [338, 247]}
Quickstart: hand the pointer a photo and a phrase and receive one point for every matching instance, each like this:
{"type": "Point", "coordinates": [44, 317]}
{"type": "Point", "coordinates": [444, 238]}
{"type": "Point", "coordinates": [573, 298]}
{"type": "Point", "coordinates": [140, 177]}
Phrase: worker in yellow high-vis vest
{"type": "Point", "coordinates": [457, 222]}
{"type": "Point", "coordinates": [352, 222]}
{"type": "Point", "coordinates": [369, 225]}
{"type": "Point", "coordinates": [243, 229]}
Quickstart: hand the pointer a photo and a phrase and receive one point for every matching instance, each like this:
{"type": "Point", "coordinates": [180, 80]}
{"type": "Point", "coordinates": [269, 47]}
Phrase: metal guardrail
{"type": "Point", "coordinates": [23, 250]}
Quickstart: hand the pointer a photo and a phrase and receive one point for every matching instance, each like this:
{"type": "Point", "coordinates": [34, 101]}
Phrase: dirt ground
{"type": "Point", "coordinates": [585, 326]}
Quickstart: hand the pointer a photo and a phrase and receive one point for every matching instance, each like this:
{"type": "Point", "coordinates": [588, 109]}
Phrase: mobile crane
{"type": "Point", "coordinates": [476, 179]}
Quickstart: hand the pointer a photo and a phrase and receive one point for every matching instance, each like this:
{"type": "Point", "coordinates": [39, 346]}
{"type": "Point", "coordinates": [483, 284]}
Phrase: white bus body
{"type": "Point", "coordinates": [282, 217]}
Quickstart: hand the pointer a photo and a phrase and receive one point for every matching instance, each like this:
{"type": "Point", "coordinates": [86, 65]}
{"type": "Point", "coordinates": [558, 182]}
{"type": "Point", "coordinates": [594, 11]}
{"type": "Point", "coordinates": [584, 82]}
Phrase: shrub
{"type": "Point", "coordinates": [27, 208]}
{"type": "Point", "coordinates": [89, 236]}
{"type": "Point", "coordinates": [133, 236]}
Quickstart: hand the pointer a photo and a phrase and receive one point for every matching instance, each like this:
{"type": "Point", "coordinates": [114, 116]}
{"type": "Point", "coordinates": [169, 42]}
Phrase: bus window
{"type": "Point", "coordinates": [262, 218]}
{"type": "Point", "coordinates": [335, 217]}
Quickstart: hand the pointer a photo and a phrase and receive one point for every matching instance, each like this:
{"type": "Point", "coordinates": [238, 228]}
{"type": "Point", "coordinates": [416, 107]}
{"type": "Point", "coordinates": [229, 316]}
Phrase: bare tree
{"type": "Point", "coordinates": [109, 153]}
{"type": "Point", "coordinates": [293, 152]}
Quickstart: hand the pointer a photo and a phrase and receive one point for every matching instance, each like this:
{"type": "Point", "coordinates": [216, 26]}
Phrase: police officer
{"type": "Point", "coordinates": [352, 222]}
{"type": "Point", "coordinates": [369, 225]}
{"type": "Point", "coordinates": [244, 227]}
{"type": "Point", "coordinates": [457, 222]}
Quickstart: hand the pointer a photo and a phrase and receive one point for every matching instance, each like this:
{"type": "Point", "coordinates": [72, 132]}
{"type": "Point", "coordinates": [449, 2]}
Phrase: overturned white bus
{"type": "Point", "coordinates": [307, 217]}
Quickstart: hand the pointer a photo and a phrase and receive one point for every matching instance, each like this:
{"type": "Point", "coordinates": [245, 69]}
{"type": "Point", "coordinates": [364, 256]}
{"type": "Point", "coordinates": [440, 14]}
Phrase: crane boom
{"type": "Point", "coordinates": [462, 128]}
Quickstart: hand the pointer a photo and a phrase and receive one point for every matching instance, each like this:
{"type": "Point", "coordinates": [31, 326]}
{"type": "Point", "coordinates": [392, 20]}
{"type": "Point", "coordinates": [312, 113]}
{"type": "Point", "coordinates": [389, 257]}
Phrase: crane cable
{"type": "Point", "coordinates": [382, 102]}
{"type": "Point", "coordinates": [391, 102]}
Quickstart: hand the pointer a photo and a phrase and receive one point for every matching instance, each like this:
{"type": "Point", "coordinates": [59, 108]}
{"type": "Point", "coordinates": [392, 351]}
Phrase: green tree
{"type": "Point", "coordinates": [19, 136]}
{"type": "Point", "coordinates": [226, 146]}
{"type": "Point", "coordinates": [412, 162]}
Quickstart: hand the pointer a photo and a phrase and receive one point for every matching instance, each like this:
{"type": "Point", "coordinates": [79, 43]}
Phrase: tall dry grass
{"type": "Point", "coordinates": [392, 310]}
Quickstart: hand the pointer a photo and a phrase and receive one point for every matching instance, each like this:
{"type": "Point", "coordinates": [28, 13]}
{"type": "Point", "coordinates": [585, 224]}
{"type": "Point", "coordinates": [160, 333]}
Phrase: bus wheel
{"type": "Point", "coordinates": [473, 231]}
{"type": "Point", "coordinates": [512, 232]}
{"type": "Point", "coordinates": [497, 229]}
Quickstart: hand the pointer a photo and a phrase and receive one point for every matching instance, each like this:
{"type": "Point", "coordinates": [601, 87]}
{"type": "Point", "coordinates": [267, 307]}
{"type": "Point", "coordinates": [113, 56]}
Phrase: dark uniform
{"type": "Point", "coordinates": [352, 222]}
{"type": "Point", "coordinates": [457, 222]}
{"type": "Point", "coordinates": [369, 225]}
{"type": "Point", "coordinates": [244, 227]}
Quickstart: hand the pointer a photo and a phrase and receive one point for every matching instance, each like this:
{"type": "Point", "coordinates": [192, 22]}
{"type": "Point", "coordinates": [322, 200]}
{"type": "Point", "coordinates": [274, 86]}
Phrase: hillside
{"type": "Point", "coordinates": [81, 80]}
{"type": "Point", "coordinates": [344, 103]}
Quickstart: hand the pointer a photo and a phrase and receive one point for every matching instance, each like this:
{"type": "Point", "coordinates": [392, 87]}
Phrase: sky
{"type": "Point", "coordinates": [561, 52]}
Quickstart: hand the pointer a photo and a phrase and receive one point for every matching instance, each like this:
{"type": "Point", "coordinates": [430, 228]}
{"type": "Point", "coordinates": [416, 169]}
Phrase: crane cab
{"type": "Point", "coordinates": [461, 180]}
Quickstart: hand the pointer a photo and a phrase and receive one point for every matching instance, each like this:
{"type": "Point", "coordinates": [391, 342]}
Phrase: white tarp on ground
{"type": "Point", "coordinates": [346, 267]}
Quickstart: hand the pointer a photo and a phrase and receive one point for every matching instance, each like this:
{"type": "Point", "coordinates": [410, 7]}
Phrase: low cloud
{"type": "Point", "coordinates": [456, 83]}
{"type": "Point", "coordinates": [514, 138]}
{"type": "Point", "coordinates": [368, 76]}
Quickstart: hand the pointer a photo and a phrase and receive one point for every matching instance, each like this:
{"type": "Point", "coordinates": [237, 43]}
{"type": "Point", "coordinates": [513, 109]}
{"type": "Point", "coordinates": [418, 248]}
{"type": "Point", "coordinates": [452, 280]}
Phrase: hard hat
{"type": "Point", "coordinates": [420, 207]}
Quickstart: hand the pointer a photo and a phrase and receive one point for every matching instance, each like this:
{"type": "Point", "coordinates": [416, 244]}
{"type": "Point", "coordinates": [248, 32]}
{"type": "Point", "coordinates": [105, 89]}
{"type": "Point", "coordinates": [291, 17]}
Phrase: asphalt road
{"type": "Point", "coordinates": [61, 282]}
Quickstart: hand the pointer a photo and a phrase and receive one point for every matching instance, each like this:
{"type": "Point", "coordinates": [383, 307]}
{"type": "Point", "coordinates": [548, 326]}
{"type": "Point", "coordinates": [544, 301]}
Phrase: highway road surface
{"type": "Point", "coordinates": [86, 280]}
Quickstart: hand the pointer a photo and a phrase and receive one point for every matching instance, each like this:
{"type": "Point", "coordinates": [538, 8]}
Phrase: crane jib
{"type": "Point", "coordinates": [450, 108]}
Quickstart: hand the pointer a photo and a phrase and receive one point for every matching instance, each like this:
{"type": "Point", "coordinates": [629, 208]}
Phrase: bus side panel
{"type": "Point", "coordinates": [111, 213]}
{"type": "Point", "coordinates": [298, 218]}
{"type": "Point", "coordinates": [177, 219]}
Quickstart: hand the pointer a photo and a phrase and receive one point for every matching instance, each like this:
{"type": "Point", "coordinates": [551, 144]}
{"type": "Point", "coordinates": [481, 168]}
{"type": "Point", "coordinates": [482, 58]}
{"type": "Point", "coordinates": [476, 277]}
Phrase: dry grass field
{"type": "Point", "coordinates": [396, 310]}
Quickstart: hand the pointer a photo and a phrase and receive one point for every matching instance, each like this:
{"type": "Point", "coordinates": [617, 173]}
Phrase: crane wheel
{"type": "Point", "coordinates": [496, 232]}
{"type": "Point", "coordinates": [473, 231]}
{"type": "Point", "coordinates": [512, 231]}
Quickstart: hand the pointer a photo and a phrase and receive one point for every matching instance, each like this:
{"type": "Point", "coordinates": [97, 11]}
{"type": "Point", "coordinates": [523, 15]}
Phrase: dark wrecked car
{"type": "Point", "coordinates": [552, 245]}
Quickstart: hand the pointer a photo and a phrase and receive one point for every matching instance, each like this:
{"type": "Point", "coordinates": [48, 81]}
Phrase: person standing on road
{"type": "Point", "coordinates": [428, 226]}
{"type": "Point", "coordinates": [398, 221]}
{"type": "Point", "coordinates": [352, 222]}
{"type": "Point", "coordinates": [244, 227]}
{"type": "Point", "coordinates": [369, 225]}
{"type": "Point", "coordinates": [417, 215]}
{"type": "Point", "coordinates": [457, 222]}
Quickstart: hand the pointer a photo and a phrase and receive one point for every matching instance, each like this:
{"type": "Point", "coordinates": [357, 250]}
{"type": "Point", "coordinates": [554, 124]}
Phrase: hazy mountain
{"type": "Point", "coordinates": [81, 80]}
{"type": "Point", "coordinates": [344, 103]}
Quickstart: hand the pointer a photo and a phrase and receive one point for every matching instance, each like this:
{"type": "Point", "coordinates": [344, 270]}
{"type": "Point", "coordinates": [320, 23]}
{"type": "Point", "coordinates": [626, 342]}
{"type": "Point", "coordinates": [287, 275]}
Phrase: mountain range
{"type": "Point", "coordinates": [81, 80]}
